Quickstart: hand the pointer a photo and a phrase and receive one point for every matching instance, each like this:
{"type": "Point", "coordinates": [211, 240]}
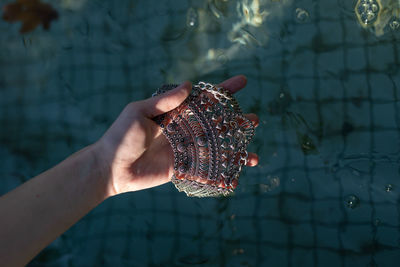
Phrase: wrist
{"type": "Point", "coordinates": [102, 168]}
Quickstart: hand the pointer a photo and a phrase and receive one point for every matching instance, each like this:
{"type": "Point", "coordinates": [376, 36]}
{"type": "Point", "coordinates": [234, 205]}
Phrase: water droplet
{"type": "Point", "coordinates": [352, 201]}
{"type": "Point", "coordinates": [367, 11]}
{"type": "Point", "coordinates": [222, 58]}
{"type": "Point", "coordinates": [394, 25]}
{"type": "Point", "coordinates": [302, 15]}
{"type": "Point", "coordinates": [388, 188]}
{"type": "Point", "coordinates": [281, 95]}
{"type": "Point", "coordinates": [363, 8]}
{"type": "Point", "coordinates": [192, 18]}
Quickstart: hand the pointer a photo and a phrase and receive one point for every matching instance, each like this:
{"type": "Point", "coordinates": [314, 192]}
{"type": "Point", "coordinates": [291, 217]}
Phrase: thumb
{"type": "Point", "coordinates": [167, 101]}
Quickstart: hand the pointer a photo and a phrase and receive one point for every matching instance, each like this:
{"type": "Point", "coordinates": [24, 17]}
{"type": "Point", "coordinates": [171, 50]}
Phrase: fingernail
{"type": "Point", "coordinates": [256, 123]}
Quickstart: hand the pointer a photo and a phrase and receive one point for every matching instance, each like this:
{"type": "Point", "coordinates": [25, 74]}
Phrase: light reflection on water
{"type": "Point", "coordinates": [377, 15]}
{"type": "Point", "coordinates": [232, 28]}
{"type": "Point", "coordinates": [326, 91]}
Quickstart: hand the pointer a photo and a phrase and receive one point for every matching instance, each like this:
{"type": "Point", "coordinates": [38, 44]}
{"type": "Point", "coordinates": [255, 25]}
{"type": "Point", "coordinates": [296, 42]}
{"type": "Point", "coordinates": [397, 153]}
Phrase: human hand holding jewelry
{"type": "Point", "coordinates": [134, 154]}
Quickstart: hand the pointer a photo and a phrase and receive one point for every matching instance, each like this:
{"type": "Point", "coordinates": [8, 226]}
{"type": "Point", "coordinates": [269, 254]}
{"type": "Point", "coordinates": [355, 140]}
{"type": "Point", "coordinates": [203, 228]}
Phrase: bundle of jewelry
{"type": "Point", "coordinates": [209, 135]}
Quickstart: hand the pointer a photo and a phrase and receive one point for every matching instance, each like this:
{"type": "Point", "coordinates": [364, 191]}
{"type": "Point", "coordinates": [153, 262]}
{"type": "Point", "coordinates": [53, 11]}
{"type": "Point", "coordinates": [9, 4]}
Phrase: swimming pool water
{"type": "Point", "coordinates": [326, 89]}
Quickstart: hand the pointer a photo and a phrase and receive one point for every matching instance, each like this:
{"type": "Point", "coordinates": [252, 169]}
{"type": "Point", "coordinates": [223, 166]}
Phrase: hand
{"type": "Point", "coordinates": [134, 153]}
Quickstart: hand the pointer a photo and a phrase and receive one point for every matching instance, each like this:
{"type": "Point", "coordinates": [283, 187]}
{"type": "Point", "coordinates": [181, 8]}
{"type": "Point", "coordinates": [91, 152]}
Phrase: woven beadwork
{"type": "Point", "coordinates": [209, 137]}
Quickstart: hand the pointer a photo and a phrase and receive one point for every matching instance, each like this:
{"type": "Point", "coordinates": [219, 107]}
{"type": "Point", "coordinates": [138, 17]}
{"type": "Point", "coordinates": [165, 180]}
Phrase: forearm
{"type": "Point", "coordinates": [37, 212]}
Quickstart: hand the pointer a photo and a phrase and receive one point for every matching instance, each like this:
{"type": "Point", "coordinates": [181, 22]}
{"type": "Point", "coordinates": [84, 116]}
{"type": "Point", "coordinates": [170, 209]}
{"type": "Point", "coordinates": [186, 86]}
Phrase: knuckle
{"type": "Point", "coordinates": [132, 106]}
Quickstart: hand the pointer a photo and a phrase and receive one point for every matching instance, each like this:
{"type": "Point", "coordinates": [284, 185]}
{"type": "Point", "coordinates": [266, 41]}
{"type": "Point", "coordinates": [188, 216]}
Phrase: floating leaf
{"type": "Point", "coordinates": [31, 13]}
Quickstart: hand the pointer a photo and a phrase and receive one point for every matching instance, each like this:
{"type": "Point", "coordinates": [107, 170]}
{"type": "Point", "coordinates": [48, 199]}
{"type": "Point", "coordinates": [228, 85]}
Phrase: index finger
{"type": "Point", "coordinates": [234, 84]}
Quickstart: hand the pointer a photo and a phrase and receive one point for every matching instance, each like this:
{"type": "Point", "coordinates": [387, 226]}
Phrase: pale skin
{"type": "Point", "coordinates": [132, 155]}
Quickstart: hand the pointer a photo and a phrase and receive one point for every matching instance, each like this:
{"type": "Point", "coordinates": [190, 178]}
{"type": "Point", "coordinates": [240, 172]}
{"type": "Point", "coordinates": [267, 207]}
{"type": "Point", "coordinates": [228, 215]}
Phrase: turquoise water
{"type": "Point", "coordinates": [326, 89]}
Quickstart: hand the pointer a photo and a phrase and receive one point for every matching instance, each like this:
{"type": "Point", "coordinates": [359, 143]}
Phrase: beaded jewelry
{"type": "Point", "coordinates": [209, 136]}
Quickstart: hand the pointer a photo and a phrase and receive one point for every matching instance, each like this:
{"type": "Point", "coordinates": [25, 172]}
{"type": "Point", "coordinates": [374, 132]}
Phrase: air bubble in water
{"type": "Point", "coordinates": [374, 8]}
{"type": "Point", "coordinates": [222, 58]}
{"type": "Point", "coordinates": [388, 188]}
{"type": "Point", "coordinates": [352, 201]}
{"type": "Point", "coordinates": [302, 15]}
{"type": "Point", "coordinates": [394, 25]}
{"type": "Point", "coordinates": [192, 18]}
{"type": "Point", "coordinates": [367, 11]}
